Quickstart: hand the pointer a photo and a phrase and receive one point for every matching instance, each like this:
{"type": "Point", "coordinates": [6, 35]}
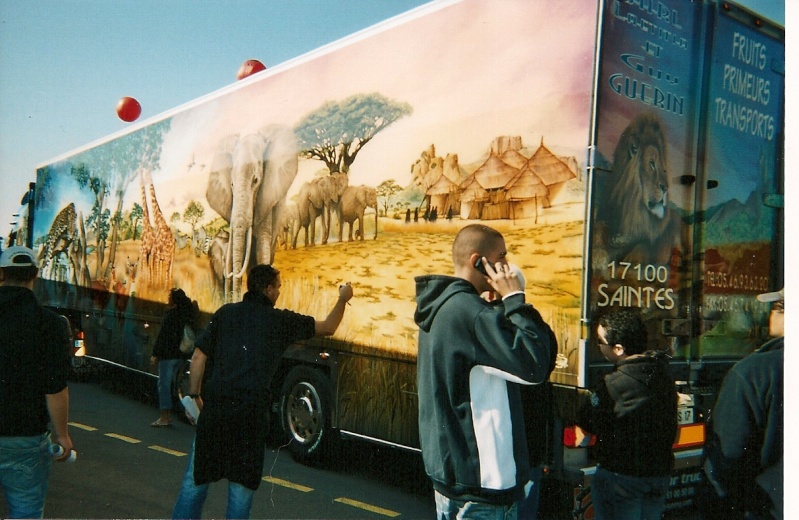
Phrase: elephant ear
{"type": "Point", "coordinates": [280, 164]}
{"type": "Point", "coordinates": [363, 196]}
{"type": "Point", "coordinates": [219, 192]}
{"type": "Point", "coordinates": [371, 197]}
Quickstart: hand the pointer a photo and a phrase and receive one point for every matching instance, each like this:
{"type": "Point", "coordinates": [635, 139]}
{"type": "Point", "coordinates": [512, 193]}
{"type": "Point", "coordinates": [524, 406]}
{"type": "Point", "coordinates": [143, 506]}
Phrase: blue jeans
{"type": "Point", "coordinates": [449, 509]}
{"type": "Point", "coordinates": [192, 496]}
{"type": "Point", "coordinates": [167, 368]}
{"type": "Point", "coordinates": [24, 472]}
{"type": "Point", "coordinates": [623, 497]}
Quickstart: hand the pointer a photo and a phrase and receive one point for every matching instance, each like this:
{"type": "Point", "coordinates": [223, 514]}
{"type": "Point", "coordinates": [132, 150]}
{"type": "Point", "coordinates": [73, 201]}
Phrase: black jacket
{"type": "Point", "coordinates": [473, 355]}
{"type": "Point", "coordinates": [34, 361]}
{"type": "Point", "coordinates": [744, 450]}
{"type": "Point", "coordinates": [244, 343]}
{"type": "Point", "coordinates": [633, 413]}
{"type": "Point", "coordinates": [167, 343]}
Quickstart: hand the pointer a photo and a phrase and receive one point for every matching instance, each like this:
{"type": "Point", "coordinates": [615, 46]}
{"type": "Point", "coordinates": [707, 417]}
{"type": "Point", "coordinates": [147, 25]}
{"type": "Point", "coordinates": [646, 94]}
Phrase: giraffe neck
{"type": "Point", "coordinates": [145, 208]}
{"type": "Point", "coordinates": [158, 217]}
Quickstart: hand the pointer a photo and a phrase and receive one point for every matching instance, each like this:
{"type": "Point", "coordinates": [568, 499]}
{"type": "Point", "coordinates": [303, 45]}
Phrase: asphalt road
{"type": "Point", "coordinates": [128, 469]}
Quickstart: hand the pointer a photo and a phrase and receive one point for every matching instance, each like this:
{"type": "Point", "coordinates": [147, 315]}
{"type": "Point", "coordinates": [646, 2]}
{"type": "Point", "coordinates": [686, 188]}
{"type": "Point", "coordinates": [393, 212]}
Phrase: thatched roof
{"type": "Point", "coordinates": [514, 158]}
{"type": "Point", "coordinates": [549, 167]}
{"type": "Point", "coordinates": [442, 186]}
{"type": "Point", "coordinates": [471, 190]}
{"type": "Point", "coordinates": [494, 173]}
{"type": "Point", "coordinates": [525, 186]}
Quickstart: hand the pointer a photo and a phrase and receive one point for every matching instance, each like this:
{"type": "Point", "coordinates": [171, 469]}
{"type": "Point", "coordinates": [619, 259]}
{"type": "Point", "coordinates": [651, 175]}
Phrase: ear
{"type": "Point", "coordinates": [219, 192]}
{"type": "Point", "coordinates": [473, 258]}
{"type": "Point", "coordinates": [280, 162]}
{"type": "Point", "coordinates": [362, 196]}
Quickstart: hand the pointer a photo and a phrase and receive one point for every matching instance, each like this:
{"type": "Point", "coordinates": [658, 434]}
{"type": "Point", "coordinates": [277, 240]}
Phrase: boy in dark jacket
{"type": "Point", "coordinates": [633, 413]}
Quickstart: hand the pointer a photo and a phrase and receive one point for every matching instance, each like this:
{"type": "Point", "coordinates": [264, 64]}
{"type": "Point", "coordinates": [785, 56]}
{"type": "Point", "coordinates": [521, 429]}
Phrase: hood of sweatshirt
{"type": "Point", "coordinates": [432, 291]}
{"type": "Point", "coordinates": [637, 380]}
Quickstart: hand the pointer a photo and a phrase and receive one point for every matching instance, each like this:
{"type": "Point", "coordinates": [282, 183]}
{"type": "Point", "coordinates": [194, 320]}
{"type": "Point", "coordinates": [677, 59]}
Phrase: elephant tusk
{"type": "Point", "coordinates": [246, 256]}
{"type": "Point", "coordinates": [227, 271]}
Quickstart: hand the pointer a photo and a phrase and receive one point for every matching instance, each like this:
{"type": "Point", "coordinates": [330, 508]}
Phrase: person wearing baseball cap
{"type": "Point", "coordinates": [34, 365]}
{"type": "Point", "coordinates": [744, 450]}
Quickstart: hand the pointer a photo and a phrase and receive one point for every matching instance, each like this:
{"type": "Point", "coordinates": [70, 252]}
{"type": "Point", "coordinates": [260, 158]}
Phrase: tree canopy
{"type": "Point", "coordinates": [335, 132]}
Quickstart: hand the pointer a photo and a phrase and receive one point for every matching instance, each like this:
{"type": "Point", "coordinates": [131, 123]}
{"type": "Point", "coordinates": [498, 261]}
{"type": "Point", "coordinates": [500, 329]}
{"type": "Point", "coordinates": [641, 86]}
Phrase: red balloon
{"type": "Point", "coordinates": [249, 68]}
{"type": "Point", "coordinates": [128, 109]}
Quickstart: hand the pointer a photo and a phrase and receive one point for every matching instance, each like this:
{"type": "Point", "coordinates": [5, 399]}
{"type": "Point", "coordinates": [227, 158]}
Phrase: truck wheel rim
{"type": "Point", "coordinates": [304, 413]}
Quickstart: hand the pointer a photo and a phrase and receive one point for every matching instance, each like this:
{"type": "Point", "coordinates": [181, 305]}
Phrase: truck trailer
{"type": "Point", "coordinates": [630, 151]}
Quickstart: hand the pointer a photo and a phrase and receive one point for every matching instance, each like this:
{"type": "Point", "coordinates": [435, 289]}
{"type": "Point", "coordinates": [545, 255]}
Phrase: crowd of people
{"type": "Point", "coordinates": [485, 356]}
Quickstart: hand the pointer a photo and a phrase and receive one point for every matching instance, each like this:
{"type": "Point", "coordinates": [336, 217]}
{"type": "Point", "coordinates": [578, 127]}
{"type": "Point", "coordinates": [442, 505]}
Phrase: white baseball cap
{"type": "Point", "coordinates": [777, 296]}
{"type": "Point", "coordinates": [18, 256]}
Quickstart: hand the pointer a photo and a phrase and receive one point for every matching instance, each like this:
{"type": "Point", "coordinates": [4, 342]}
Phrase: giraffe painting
{"type": "Point", "coordinates": [158, 242]}
{"type": "Point", "coordinates": [147, 234]}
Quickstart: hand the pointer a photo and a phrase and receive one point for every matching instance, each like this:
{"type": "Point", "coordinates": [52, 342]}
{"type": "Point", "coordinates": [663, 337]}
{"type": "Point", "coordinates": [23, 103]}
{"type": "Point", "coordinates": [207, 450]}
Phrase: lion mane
{"type": "Point", "coordinates": [633, 207]}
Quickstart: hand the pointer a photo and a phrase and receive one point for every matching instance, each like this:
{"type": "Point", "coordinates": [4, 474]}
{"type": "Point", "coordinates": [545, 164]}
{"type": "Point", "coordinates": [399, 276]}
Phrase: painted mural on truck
{"type": "Point", "coordinates": [357, 163]}
{"type": "Point", "coordinates": [641, 245]}
{"type": "Point", "coordinates": [742, 207]}
{"type": "Point", "coordinates": [654, 211]}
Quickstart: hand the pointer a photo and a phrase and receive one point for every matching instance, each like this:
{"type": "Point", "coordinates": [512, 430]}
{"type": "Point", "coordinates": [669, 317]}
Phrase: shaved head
{"type": "Point", "coordinates": [474, 238]}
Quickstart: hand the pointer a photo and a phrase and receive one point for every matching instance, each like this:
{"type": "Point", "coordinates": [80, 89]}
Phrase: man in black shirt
{"type": "Point", "coordinates": [244, 342]}
{"type": "Point", "coordinates": [34, 365]}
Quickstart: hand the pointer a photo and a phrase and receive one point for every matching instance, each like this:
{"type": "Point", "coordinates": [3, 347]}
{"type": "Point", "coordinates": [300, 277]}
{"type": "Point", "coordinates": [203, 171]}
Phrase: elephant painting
{"type": "Point", "coordinates": [318, 198]}
{"type": "Point", "coordinates": [309, 207]}
{"type": "Point", "coordinates": [216, 256]}
{"type": "Point", "coordinates": [354, 201]}
{"type": "Point", "coordinates": [289, 221]}
{"type": "Point", "coordinates": [248, 179]}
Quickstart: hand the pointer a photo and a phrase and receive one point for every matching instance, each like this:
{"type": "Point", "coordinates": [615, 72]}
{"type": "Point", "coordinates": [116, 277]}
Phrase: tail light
{"type": "Point", "coordinates": [576, 437]}
{"type": "Point", "coordinates": [80, 348]}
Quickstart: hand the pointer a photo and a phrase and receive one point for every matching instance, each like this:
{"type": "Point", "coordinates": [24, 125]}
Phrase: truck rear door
{"type": "Point", "coordinates": [739, 219]}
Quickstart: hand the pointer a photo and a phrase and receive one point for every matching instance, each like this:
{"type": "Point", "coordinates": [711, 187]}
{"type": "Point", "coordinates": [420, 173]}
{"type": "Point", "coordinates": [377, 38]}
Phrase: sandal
{"type": "Point", "coordinates": [158, 424]}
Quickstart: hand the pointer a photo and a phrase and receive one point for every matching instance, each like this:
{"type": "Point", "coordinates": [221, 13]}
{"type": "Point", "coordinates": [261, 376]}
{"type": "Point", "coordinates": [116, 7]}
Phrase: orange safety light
{"type": "Point", "coordinates": [689, 436]}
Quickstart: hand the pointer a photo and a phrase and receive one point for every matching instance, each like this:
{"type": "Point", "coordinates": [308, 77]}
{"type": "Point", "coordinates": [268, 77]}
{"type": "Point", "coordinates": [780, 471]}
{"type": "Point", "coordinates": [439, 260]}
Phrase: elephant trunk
{"type": "Point", "coordinates": [236, 266]}
{"type": "Point", "coordinates": [377, 214]}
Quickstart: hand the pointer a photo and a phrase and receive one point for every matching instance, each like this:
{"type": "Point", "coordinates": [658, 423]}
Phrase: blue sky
{"type": "Point", "coordinates": [64, 64]}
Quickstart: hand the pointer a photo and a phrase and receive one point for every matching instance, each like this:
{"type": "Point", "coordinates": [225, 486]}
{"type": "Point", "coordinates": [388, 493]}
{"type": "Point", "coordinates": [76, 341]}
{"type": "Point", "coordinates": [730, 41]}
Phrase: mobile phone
{"type": "Point", "coordinates": [480, 266]}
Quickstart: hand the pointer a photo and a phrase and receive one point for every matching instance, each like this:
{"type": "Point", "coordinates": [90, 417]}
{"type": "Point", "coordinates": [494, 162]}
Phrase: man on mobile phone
{"type": "Point", "coordinates": [472, 358]}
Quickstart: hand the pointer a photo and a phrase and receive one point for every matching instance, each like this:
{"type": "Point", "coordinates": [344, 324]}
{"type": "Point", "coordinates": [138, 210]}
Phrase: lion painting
{"type": "Point", "coordinates": [634, 220]}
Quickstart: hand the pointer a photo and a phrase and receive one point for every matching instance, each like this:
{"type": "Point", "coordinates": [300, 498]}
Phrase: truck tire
{"type": "Point", "coordinates": [305, 414]}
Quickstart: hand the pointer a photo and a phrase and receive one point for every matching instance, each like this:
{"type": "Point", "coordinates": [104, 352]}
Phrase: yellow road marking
{"type": "Point", "coordinates": [367, 507]}
{"type": "Point", "coordinates": [287, 484]}
{"type": "Point", "coordinates": [131, 440]}
{"type": "Point", "coordinates": [83, 427]}
{"type": "Point", "coordinates": [167, 451]}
